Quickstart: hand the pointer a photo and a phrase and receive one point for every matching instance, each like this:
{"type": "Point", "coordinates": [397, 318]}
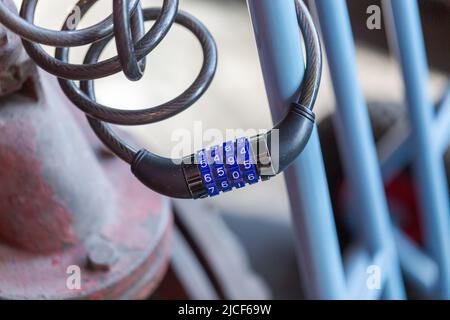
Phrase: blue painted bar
{"type": "Point", "coordinates": [419, 270]}
{"type": "Point", "coordinates": [394, 151]}
{"type": "Point", "coordinates": [396, 147]}
{"type": "Point", "coordinates": [428, 162]}
{"type": "Point", "coordinates": [442, 131]}
{"type": "Point", "coordinates": [356, 141]}
{"type": "Point", "coordinates": [278, 39]}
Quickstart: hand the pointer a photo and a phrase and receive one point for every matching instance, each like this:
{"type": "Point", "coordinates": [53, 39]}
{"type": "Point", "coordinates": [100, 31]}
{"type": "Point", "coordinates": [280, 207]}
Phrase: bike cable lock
{"type": "Point", "coordinates": [233, 164]}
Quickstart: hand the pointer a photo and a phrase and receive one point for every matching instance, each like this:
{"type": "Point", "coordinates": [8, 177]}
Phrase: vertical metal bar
{"type": "Point", "coordinates": [442, 130]}
{"type": "Point", "coordinates": [356, 140]}
{"type": "Point", "coordinates": [395, 150]}
{"type": "Point", "coordinates": [278, 38]}
{"type": "Point", "coordinates": [428, 161]}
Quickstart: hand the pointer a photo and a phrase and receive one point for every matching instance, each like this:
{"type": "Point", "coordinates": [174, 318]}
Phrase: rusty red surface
{"type": "Point", "coordinates": [30, 217]}
{"type": "Point", "coordinates": [57, 201]}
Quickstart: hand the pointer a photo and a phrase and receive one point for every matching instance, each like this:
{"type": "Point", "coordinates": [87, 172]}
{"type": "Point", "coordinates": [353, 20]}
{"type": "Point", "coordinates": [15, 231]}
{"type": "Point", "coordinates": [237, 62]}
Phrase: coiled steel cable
{"type": "Point", "coordinates": [313, 72]}
{"type": "Point", "coordinates": [125, 25]}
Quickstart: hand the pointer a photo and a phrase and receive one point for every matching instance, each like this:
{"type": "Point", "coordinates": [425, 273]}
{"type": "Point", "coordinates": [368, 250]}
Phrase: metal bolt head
{"type": "Point", "coordinates": [101, 256]}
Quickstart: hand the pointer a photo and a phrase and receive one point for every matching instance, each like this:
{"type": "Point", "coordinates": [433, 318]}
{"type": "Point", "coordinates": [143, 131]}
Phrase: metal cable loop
{"type": "Point", "coordinates": [163, 111]}
{"type": "Point", "coordinates": [313, 72]}
{"type": "Point", "coordinates": [126, 27]}
{"type": "Point", "coordinates": [54, 38]}
{"type": "Point", "coordinates": [109, 66]}
{"type": "Point", "coordinates": [155, 114]}
{"type": "Point", "coordinates": [125, 40]}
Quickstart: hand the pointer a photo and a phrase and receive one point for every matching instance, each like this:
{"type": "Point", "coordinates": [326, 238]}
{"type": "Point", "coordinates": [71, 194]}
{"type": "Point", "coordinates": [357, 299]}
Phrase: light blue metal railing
{"type": "Point", "coordinates": [279, 43]}
{"type": "Point", "coordinates": [323, 273]}
{"type": "Point", "coordinates": [428, 161]}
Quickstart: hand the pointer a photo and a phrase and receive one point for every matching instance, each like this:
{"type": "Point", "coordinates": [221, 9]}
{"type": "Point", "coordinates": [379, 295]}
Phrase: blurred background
{"type": "Point", "coordinates": [237, 99]}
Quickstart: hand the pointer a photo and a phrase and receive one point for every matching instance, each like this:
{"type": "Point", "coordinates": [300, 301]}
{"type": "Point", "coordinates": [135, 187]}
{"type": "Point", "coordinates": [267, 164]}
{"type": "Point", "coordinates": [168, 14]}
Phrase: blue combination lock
{"type": "Point", "coordinates": [225, 167]}
{"type": "Point", "coordinates": [245, 161]}
{"type": "Point", "coordinates": [232, 165]}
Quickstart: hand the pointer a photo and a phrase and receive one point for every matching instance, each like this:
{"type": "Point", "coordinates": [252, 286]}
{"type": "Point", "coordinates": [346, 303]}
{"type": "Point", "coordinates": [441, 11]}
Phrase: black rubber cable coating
{"type": "Point", "coordinates": [126, 25]}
